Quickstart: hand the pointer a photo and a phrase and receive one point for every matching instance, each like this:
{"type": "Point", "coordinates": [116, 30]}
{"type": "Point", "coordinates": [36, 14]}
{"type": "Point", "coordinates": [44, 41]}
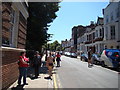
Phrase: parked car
{"type": "Point", "coordinates": [111, 58]}
{"type": "Point", "coordinates": [68, 54]}
{"type": "Point", "coordinates": [84, 57]}
{"type": "Point", "coordinates": [61, 52]}
{"type": "Point", "coordinates": [96, 59]}
{"type": "Point", "coordinates": [74, 55]}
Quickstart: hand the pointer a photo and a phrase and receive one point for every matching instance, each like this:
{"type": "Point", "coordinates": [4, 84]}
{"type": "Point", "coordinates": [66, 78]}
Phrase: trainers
{"type": "Point", "coordinates": [19, 84]}
{"type": "Point", "coordinates": [25, 84]}
{"type": "Point", "coordinates": [91, 64]}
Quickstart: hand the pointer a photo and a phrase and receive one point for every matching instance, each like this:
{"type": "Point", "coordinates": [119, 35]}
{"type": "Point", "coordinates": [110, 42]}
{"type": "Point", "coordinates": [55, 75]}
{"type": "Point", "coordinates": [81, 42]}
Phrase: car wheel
{"type": "Point", "coordinates": [117, 69]}
{"type": "Point", "coordinates": [103, 64]}
{"type": "Point", "coordinates": [95, 62]}
{"type": "Point", "coordinates": [99, 62]}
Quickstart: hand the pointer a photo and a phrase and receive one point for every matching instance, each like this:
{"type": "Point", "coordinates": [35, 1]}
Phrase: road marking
{"type": "Point", "coordinates": [55, 82]}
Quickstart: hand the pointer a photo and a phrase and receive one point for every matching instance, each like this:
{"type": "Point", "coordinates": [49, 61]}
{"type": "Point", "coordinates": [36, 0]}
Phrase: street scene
{"type": "Point", "coordinates": [60, 45]}
{"type": "Point", "coordinates": [74, 73]}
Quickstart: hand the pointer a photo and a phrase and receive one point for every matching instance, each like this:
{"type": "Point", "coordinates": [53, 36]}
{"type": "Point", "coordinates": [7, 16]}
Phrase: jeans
{"type": "Point", "coordinates": [58, 63]}
{"type": "Point", "coordinates": [36, 68]}
{"type": "Point", "coordinates": [22, 73]}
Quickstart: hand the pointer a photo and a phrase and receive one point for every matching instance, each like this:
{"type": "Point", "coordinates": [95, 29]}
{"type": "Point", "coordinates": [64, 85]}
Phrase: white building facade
{"type": "Point", "coordinates": [112, 25]}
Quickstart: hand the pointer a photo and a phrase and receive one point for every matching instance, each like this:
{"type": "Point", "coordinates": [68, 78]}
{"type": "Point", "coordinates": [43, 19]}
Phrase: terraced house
{"type": "Point", "coordinates": [112, 25]}
{"type": "Point", "coordinates": [14, 25]}
{"type": "Point", "coordinates": [105, 33]}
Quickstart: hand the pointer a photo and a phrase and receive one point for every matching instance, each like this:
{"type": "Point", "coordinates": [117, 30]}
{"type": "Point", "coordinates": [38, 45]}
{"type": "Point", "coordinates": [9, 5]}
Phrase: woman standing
{"type": "Point", "coordinates": [23, 65]}
{"type": "Point", "coordinates": [58, 59]}
{"type": "Point", "coordinates": [49, 64]}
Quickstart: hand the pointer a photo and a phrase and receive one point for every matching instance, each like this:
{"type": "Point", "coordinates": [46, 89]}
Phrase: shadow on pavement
{"type": "Point", "coordinates": [18, 87]}
{"type": "Point", "coordinates": [42, 70]}
{"type": "Point", "coordinates": [48, 78]}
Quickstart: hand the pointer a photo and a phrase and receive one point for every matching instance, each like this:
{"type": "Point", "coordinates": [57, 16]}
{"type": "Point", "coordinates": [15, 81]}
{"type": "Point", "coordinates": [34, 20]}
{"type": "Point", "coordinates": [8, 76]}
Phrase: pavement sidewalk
{"type": "Point", "coordinates": [40, 82]}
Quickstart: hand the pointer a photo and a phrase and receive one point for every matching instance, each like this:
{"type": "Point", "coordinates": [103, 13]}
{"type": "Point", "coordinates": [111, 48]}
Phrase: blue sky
{"type": "Point", "coordinates": [73, 14]}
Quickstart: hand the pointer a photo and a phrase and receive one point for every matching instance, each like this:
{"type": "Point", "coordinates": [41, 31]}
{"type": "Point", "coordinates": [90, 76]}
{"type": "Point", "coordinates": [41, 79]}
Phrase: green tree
{"type": "Point", "coordinates": [41, 14]}
{"type": "Point", "coordinates": [54, 46]}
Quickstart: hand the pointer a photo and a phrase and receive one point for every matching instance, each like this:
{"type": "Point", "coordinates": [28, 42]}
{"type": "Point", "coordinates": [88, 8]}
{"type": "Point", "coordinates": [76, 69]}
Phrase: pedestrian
{"type": "Point", "coordinates": [23, 63]}
{"type": "Point", "coordinates": [36, 63]}
{"type": "Point", "coordinates": [58, 59]}
{"type": "Point", "coordinates": [53, 55]}
{"type": "Point", "coordinates": [90, 58]}
{"type": "Point", "coordinates": [49, 64]}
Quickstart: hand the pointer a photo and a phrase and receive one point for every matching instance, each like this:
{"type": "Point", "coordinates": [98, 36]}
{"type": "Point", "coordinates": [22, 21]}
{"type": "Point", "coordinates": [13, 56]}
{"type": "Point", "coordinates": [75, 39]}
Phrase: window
{"type": "Point", "coordinates": [111, 47]}
{"type": "Point", "coordinates": [103, 32]}
{"type": "Point", "coordinates": [87, 37]}
{"type": "Point", "coordinates": [117, 47]}
{"type": "Point", "coordinates": [111, 16]}
{"type": "Point", "coordinates": [112, 32]}
{"type": "Point", "coordinates": [96, 34]}
{"type": "Point", "coordinates": [117, 13]}
{"type": "Point", "coordinates": [12, 26]}
{"type": "Point", "coordinates": [7, 39]}
{"type": "Point", "coordinates": [105, 47]}
{"type": "Point", "coordinates": [93, 35]}
{"type": "Point", "coordinates": [100, 32]}
{"type": "Point", "coordinates": [107, 20]}
{"type": "Point", "coordinates": [106, 34]}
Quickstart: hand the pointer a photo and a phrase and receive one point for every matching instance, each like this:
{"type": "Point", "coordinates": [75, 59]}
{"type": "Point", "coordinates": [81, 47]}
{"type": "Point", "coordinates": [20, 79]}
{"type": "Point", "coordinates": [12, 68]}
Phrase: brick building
{"type": "Point", "coordinates": [14, 25]}
{"type": "Point", "coordinates": [77, 31]}
{"type": "Point", "coordinates": [74, 37]}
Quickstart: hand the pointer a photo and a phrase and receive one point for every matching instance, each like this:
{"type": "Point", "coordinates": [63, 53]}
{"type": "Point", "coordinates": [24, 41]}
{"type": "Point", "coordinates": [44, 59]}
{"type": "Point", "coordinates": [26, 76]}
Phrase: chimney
{"type": "Point", "coordinates": [103, 11]}
{"type": "Point", "coordinates": [91, 22]}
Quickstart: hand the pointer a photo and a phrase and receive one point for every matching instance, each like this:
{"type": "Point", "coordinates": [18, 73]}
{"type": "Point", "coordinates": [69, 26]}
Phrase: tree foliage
{"type": "Point", "coordinates": [55, 46]}
{"type": "Point", "coordinates": [41, 14]}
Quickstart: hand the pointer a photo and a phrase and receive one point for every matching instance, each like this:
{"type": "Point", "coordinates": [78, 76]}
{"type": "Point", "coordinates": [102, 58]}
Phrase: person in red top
{"type": "Point", "coordinates": [23, 65]}
{"type": "Point", "coordinates": [58, 59]}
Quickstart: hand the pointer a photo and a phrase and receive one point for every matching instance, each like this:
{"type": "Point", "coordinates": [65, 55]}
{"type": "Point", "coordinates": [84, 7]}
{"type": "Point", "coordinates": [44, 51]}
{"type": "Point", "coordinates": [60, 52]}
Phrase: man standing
{"type": "Point", "coordinates": [89, 58]}
{"type": "Point", "coordinates": [23, 65]}
{"type": "Point", "coordinates": [58, 59]}
{"type": "Point", "coordinates": [36, 63]}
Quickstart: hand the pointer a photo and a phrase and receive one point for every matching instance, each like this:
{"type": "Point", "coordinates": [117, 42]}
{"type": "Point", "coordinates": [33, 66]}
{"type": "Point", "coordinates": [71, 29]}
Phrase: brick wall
{"type": "Point", "coordinates": [9, 66]}
{"type": "Point", "coordinates": [6, 10]}
{"type": "Point", "coordinates": [22, 32]}
{"type": "Point", "coordinates": [10, 55]}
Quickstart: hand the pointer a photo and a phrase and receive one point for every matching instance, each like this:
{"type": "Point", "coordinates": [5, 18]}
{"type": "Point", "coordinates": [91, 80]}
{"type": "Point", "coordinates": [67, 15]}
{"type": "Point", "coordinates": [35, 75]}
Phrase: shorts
{"type": "Point", "coordinates": [50, 64]}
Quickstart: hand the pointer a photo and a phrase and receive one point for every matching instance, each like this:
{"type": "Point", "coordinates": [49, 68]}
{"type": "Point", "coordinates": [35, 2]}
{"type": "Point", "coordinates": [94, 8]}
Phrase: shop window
{"type": "Point", "coordinates": [111, 47]}
{"type": "Point", "coordinates": [118, 47]}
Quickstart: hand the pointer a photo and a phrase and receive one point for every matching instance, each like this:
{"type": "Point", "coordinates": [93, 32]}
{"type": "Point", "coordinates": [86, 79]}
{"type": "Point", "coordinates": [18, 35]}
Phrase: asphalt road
{"type": "Point", "coordinates": [74, 73]}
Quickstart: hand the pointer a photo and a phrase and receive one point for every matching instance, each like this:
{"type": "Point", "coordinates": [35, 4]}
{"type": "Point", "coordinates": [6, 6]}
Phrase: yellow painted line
{"type": "Point", "coordinates": [55, 82]}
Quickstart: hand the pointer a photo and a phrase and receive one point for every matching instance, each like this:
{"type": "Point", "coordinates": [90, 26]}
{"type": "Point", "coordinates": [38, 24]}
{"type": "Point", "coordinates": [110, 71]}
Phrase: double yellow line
{"type": "Point", "coordinates": [55, 82]}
